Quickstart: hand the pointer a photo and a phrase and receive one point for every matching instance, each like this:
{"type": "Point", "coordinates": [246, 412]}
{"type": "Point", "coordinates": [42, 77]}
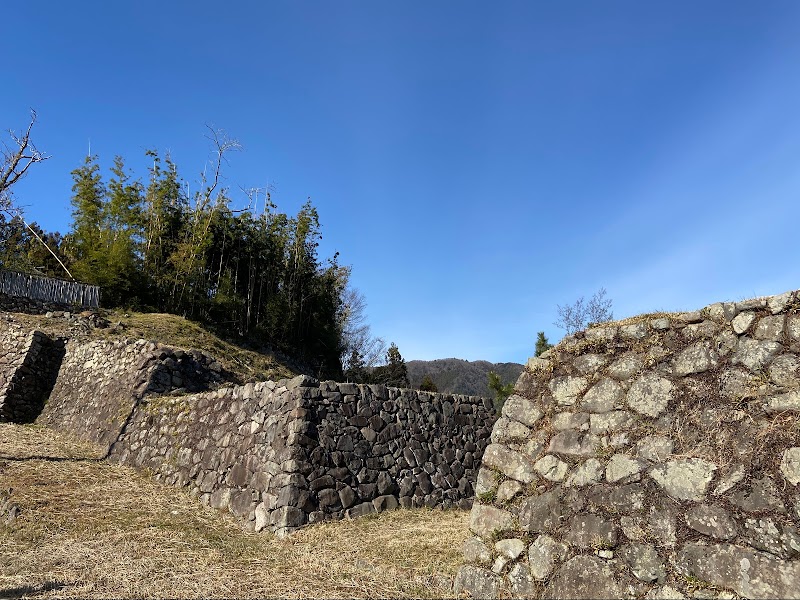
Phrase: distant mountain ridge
{"type": "Point", "coordinates": [458, 376]}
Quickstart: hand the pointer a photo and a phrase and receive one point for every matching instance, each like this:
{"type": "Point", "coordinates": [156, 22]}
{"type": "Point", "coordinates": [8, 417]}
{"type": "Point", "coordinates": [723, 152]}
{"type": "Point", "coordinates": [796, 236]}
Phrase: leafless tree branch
{"type": "Point", "coordinates": [16, 160]}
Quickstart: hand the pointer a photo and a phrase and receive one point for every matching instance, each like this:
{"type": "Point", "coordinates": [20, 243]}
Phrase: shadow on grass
{"type": "Point", "coordinates": [31, 591]}
{"type": "Point", "coordinates": [7, 458]}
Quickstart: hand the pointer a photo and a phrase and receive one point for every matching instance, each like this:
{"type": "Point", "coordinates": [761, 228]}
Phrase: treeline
{"type": "Point", "coordinates": [152, 247]}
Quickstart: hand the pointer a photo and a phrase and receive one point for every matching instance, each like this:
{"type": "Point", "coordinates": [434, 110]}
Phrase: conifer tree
{"type": "Point", "coordinates": [542, 344]}
{"type": "Point", "coordinates": [428, 385]}
{"type": "Point", "coordinates": [394, 373]}
{"type": "Point", "coordinates": [501, 392]}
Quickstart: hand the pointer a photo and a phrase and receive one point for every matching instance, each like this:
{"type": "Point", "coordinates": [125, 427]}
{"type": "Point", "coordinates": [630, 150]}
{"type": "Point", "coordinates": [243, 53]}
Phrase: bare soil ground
{"type": "Point", "coordinates": [91, 529]}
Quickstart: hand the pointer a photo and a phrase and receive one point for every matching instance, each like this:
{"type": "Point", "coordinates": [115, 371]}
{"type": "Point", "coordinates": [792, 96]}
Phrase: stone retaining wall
{"type": "Point", "coordinates": [101, 382]}
{"type": "Point", "coordinates": [656, 457]}
{"type": "Point", "coordinates": [281, 455]}
{"type": "Point", "coordinates": [277, 454]}
{"type": "Point", "coordinates": [29, 363]}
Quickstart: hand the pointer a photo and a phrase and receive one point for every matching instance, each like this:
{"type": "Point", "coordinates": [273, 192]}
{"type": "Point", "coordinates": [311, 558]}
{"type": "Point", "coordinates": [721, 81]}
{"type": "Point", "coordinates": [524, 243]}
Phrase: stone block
{"type": "Point", "coordinates": [588, 363]}
{"type": "Point", "coordinates": [626, 366]}
{"type": "Point", "coordinates": [487, 521]}
{"type": "Point", "coordinates": [785, 371]}
{"type": "Point", "coordinates": [770, 328]}
{"type": "Point", "coordinates": [755, 354]}
{"type": "Point", "coordinates": [387, 502]}
{"type": "Point", "coordinates": [748, 573]}
{"type": "Point", "coordinates": [650, 394]}
{"type": "Point", "coordinates": [551, 468]}
{"type": "Point", "coordinates": [790, 401]}
{"type": "Point", "coordinates": [583, 577]}
{"type": "Point", "coordinates": [542, 513]}
{"type": "Point", "coordinates": [509, 462]}
{"type": "Point", "coordinates": [713, 521]}
{"type": "Point", "coordinates": [476, 552]}
{"type": "Point", "coordinates": [591, 531]}
{"type": "Point", "coordinates": [610, 422]}
{"type": "Point", "coordinates": [769, 535]}
{"type": "Point", "coordinates": [543, 555]}
{"type": "Point", "coordinates": [604, 396]}
{"type": "Point", "coordinates": [522, 582]}
{"type": "Point", "coordinates": [477, 583]}
{"type": "Point", "coordinates": [697, 358]}
{"type": "Point", "coordinates": [622, 467]}
{"type": "Point", "coordinates": [743, 322]}
{"type": "Point", "coordinates": [567, 389]}
{"type": "Point", "coordinates": [760, 496]}
{"type": "Point", "coordinates": [790, 465]}
{"type": "Point", "coordinates": [655, 448]}
{"type": "Point", "coordinates": [510, 548]}
{"type": "Point", "coordinates": [684, 479]}
{"type": "Point", "coordinates": [574, 443]}
{"type": "Point", "coordinates": [521, 410]}
{"type": "Point", "coordinates": [644, 562]}
{"type": "Point", "coordinates": [359, 510]}
{"type": "Point", "coordinates": [588, 472]}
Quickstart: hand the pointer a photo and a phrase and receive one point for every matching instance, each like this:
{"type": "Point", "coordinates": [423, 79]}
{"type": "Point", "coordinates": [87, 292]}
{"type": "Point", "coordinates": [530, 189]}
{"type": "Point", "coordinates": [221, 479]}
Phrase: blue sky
{"type": "Point", "coordinates": [476, 163]}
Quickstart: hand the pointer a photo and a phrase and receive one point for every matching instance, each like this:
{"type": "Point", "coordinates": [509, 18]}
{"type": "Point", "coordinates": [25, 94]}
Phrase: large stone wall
{"type": "Point", "coordinates": [28, 365]}
{"type": "Point", "coordinates": [101, 382]}
{"type": "Point", "coordinates": [656, 457]}
{"type": "Point", "coordinates": [279, 455]}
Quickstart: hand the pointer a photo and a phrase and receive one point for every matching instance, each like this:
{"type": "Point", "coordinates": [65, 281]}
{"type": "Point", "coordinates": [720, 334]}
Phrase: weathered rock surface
{"type": "Point", "coordinates": [684, 479]}
{"type": "Point", "coordinates": [667, 460]}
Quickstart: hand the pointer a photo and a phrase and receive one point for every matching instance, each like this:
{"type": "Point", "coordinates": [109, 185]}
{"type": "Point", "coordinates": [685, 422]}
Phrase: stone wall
{"type": "Point", "coordinates": [100, 383]}
{"type": "Point", "coordinates": [277, 454]}
{"type": "Point", "coordinates": [30, 306]}
{"type": "Point", "coordinates": [281, 455]}
{"type": "Point", "coordinates": [656, 457]}
{"type": "Point", "coordinates": [29, 363]}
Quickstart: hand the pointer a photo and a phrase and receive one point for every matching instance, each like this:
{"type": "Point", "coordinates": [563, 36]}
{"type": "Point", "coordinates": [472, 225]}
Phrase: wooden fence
{"type": "Point", "coordinates": [46, 289]}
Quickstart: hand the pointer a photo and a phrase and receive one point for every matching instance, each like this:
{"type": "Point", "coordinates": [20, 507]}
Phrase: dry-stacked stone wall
{"type": "Point", "coordinates": [100, 383]}
{"type": "Point", "coordinates": [281, 455]}
{"type": "Point", "coordinates": [656, 457]}
{"type": "Point", "coordinates": [29, 362]}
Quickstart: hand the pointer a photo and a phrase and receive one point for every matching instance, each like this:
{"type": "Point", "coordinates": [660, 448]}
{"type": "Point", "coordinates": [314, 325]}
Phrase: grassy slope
{"type": "Point", "coordinates": [172, 330]}
{"type": "Point", "coordinates": [92, 529]}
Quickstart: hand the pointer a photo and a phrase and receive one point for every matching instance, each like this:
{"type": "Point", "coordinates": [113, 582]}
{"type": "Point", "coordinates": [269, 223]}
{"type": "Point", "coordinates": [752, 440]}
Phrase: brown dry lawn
{"type": "Point", "coordinates": [92, 529]}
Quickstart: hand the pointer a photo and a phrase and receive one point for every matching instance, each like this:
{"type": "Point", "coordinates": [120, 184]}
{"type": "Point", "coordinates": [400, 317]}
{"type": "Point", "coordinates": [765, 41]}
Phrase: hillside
{"type": "Point", "coordinates": [241, 362]}
{"type": "Point", "coordinates": [457, 376]}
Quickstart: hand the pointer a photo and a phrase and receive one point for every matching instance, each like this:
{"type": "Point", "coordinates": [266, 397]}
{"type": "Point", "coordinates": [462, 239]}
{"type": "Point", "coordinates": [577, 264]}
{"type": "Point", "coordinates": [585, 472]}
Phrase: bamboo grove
{"type": "Point", "coordinates": [152, 247]}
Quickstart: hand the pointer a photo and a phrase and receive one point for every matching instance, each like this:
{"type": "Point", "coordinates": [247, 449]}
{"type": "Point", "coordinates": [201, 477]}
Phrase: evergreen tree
{"type": "Point", "coordinates": [542, 344]}
{"type": "Point", "coordinates": [394, 373]}
{"type": "Point", "coordinates": [501, 392]}
{"type": "Point", "coordinates": [355, 370]}
{"type": "Point", "coordinates": [428, 385]}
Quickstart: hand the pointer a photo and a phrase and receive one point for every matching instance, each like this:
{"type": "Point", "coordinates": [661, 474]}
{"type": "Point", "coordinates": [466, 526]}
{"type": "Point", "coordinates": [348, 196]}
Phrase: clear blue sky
{"type": "Point", "coordinates": [476, 163]}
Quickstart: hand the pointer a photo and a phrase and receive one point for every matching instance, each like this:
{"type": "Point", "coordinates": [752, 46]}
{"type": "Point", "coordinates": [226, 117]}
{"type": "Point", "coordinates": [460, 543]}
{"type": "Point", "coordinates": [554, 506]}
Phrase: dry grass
{"type": "Point", "coordinates": [172, 330]}
{"type": "Point", "coordinates": [92, 529]}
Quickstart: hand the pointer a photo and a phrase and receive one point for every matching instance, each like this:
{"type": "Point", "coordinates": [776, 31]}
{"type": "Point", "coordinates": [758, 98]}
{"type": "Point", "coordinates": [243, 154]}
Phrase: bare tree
{"type": "Point", "coordinates": [17, 158]}
{"type": "Point", "coordinates": [579, 315]}
{"type": "Point", "coordinates": [356, 332]}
